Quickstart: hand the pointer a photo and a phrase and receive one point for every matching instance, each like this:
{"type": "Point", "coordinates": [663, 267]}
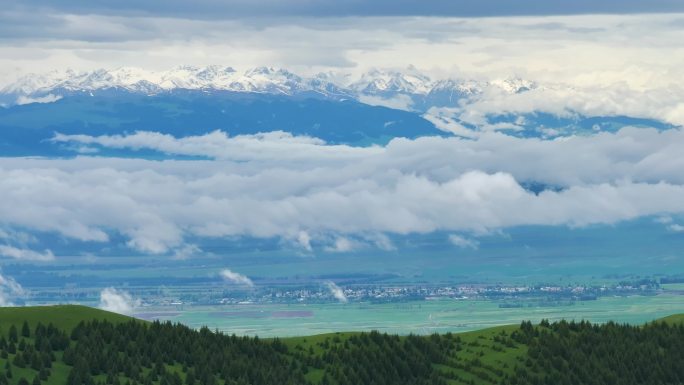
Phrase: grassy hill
{"type": "Point", "coordinates": [482, 359]}
{"type": "Point", "coordinates": [674, 319]}
{"type": "Point", "coordinates": [91, 347]}
{"type": "Point", "coordinates": [65, 317]}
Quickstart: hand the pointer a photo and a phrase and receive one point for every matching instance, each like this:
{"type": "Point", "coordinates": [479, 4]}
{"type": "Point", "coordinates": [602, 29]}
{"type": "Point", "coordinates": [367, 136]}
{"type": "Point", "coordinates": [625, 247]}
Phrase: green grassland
{"type": "Point", "coordinates": [482, 357]}
{"type": "Point", "coordinates": [485, 357]}
{"type": "Point", "coordinates": [674, 319]}
{"type": "Point", "coordinates": [64, 317]}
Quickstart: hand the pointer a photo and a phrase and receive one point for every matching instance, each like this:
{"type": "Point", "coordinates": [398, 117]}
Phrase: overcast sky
{"type": "Point", "coordinates": [231, 9]}
{"type": "Point", "coordinates": [539, 39]}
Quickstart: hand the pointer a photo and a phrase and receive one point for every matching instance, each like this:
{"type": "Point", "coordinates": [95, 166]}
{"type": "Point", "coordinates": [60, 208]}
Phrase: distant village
{"type": "Point", "coordinates": [507, 296]}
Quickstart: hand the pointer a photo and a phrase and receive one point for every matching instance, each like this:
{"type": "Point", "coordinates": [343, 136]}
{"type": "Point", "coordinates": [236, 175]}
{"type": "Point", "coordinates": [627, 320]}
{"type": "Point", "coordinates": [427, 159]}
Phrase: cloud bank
{"type": "Point", "coordinates": [340, 198]}
{"type": "Point", "coordinates": [564, 101]}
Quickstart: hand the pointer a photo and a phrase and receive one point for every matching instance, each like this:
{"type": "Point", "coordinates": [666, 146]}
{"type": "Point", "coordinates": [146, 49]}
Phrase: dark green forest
{"type": "Point", "coordinates": [127, 351]}
{"type": "Point", "coordinates": [583, 353]}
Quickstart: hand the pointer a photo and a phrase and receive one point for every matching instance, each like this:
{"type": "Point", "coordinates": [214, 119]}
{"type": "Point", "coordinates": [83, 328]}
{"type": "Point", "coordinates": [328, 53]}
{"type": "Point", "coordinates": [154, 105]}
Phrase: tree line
{"type": "Point", "coordinates": [162, 353]}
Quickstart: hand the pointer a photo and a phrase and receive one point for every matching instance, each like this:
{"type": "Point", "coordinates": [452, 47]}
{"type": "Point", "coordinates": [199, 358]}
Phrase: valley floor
{"type": "Point", "coordinates": [417, 317]}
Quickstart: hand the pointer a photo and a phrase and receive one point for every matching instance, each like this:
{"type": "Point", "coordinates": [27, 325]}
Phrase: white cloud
{"type": "Point", "coordinates": [463, 242]}
{"type": "Point", "coordinates": [342, 245]}
{"type": "Point", "coordinates": [321, 193]}
{"type": "Point", "coordinates": [186, 251]}
{"type": "Point", "coordinates": [219, 145]}
{"type": "Point", "coordinates": [564, 100]}
{"type": "Point", "coordinates": [638, 154]}
{"type": "Point", "coordinates": [399, 102]}
{"type": "Point", "coordinates": [18, 237]}
{"type": "Point", "coordinates": [379, 240]}
{"type": "Point", "coordinates": [118, 301]}
{"type": "Point", "coordinates": [345, 244]}
{"type": "Point", "coordinates": [25, 254]}
{"type": "Point", "coordinates": [336, 291]}
{"type": "Point", "coordinates": [676, 228]}
{"type": "Point", "coordinates": [9, 289]}
{"type": "Point", "coordinates": [304, 240]}
{"type": "Point", "coordinates": [236, 278]}
{"type": "Point", "coordinates": [665, 219]}
{"type": "Point", "coordinates": [50, 98]}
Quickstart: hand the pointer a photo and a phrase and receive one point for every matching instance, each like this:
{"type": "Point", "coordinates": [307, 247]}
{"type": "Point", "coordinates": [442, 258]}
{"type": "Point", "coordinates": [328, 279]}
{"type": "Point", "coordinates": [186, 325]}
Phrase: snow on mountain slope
{"type": "Point", "coordinates": [262, 79]}
{"type": "Point", "coordinates": [379, 81]}
{"type": "Point", "coordinates": [514, 85]}
{"type": "Point", "coordinates": [423, 91]}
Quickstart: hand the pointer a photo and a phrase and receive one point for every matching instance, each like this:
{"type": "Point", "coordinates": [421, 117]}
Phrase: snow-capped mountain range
{"type": "Point", "coordinates": [423, 91]}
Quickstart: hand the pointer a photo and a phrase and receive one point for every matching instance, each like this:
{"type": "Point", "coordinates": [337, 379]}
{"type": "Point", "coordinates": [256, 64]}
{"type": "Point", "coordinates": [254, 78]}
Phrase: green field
{"type": "Point", "coordinates": [674, 319]}
{"type": "Point", "coordinates": [418, 317]}
{"type": "Point", "coordinates": [672, 286]}
{"type": "Point", "coordinates": [62, 316]}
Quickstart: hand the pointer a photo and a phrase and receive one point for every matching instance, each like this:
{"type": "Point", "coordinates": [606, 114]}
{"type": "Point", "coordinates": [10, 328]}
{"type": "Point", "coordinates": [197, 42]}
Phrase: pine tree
{"type": "Point", "coordinates": [25, 331]}
{"type": "Point", "coordinates": [19, 361]}
{"type": "Point", "coordinates": [190, 377]}
{"type": "Point", "coordinates": [13, 337]}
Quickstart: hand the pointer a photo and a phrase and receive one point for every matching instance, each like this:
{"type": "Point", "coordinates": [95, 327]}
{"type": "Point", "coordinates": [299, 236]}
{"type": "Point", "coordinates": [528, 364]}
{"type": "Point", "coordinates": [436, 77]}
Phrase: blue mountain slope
{"type": "Point", "coordinates": [540, 124]}
{"type": "Point", "coordinates": [26, 129]}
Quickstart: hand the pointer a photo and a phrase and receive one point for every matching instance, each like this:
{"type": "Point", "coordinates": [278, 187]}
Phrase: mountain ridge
{"type": "Point", "coordinates": [423, 90]}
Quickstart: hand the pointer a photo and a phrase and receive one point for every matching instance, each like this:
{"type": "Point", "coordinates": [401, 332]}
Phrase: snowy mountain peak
{"type": "Point", "coordinates": [265, 71]}
{"type": "Point", "coordinates": [260, 79]}
{"type": "Point", "coordinates": [465, 87]}
{"type": "Point", "coordinates": [514, 85]}
{"type": "Point", "coordinates": [377, 83]}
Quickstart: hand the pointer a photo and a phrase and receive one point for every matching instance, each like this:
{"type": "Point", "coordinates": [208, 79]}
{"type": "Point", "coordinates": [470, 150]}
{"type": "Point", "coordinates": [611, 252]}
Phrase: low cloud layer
{"type": "Point", "coordinates": [45, 99]}
{"type": "Point", "coordinates": [118, 301]}
{"type": "Point", "coordinates": [236, 278]}
{"type": "Point", "coordinates": [464, 242]}
{"type": "Point", "coordinates": [634, 154]}
{"type": "Point", "coordinates": [659, 102]}
{"type": "Point", "coordinates": [25, 254]}
{"type": "Point", "coordinates": [341, 198]}
{"type": "Point", "coordinates": [219, 145]}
